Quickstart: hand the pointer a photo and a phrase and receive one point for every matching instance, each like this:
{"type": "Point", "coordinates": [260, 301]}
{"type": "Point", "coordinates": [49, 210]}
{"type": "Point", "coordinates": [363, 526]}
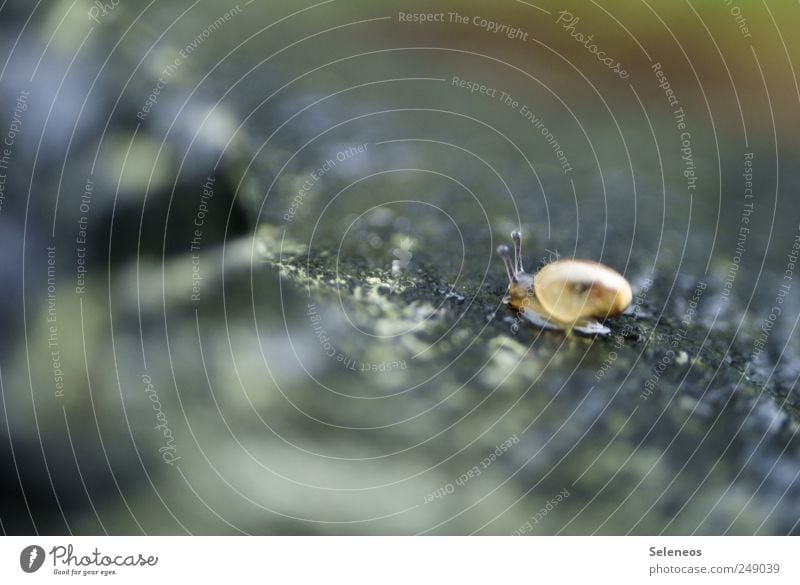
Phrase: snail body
{"type": "Point", "coordinates": [565, 294]}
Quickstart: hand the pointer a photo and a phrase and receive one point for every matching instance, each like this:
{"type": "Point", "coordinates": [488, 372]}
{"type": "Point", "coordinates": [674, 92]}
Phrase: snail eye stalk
{"type": "Point", "coordinates": [502, 251]}
{"type": "Point", "coordinates": [517, 237]}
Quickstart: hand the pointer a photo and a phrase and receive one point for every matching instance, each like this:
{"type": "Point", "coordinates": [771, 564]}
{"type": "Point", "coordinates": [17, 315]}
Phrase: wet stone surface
{"type": "Point", "coordinates": [327, 351]}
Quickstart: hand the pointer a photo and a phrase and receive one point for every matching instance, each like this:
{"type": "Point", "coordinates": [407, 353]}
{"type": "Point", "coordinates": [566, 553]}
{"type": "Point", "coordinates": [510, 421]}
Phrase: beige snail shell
{"type": "Point", "coordinates": [565, 294]}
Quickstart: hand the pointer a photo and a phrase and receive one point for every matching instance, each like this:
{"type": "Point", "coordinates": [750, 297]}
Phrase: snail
{"type": "Point", "coordinates": [566, 294]}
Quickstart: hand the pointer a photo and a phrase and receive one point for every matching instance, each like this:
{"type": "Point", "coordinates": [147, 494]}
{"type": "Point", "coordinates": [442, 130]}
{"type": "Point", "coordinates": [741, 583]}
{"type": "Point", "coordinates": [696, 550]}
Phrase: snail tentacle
{"type": "Point", "coordinates": [516, 235]}
{"type": "Point", "coordinates": [502, 251]}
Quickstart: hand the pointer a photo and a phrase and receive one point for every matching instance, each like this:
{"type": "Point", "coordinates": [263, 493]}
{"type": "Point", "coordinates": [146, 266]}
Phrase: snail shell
{"type": "Point", "coordinates": [572, 291]}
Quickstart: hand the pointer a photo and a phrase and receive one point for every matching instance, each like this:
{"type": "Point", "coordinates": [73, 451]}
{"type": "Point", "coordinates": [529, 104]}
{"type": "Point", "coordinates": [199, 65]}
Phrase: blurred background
{"type": "Point", "coordinates": [247, 254]}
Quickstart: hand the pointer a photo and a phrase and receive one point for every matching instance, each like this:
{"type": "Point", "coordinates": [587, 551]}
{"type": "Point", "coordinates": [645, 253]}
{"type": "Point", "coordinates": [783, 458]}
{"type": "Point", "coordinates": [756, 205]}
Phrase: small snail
{"type": "Point", "coordinates": [565, 294]}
